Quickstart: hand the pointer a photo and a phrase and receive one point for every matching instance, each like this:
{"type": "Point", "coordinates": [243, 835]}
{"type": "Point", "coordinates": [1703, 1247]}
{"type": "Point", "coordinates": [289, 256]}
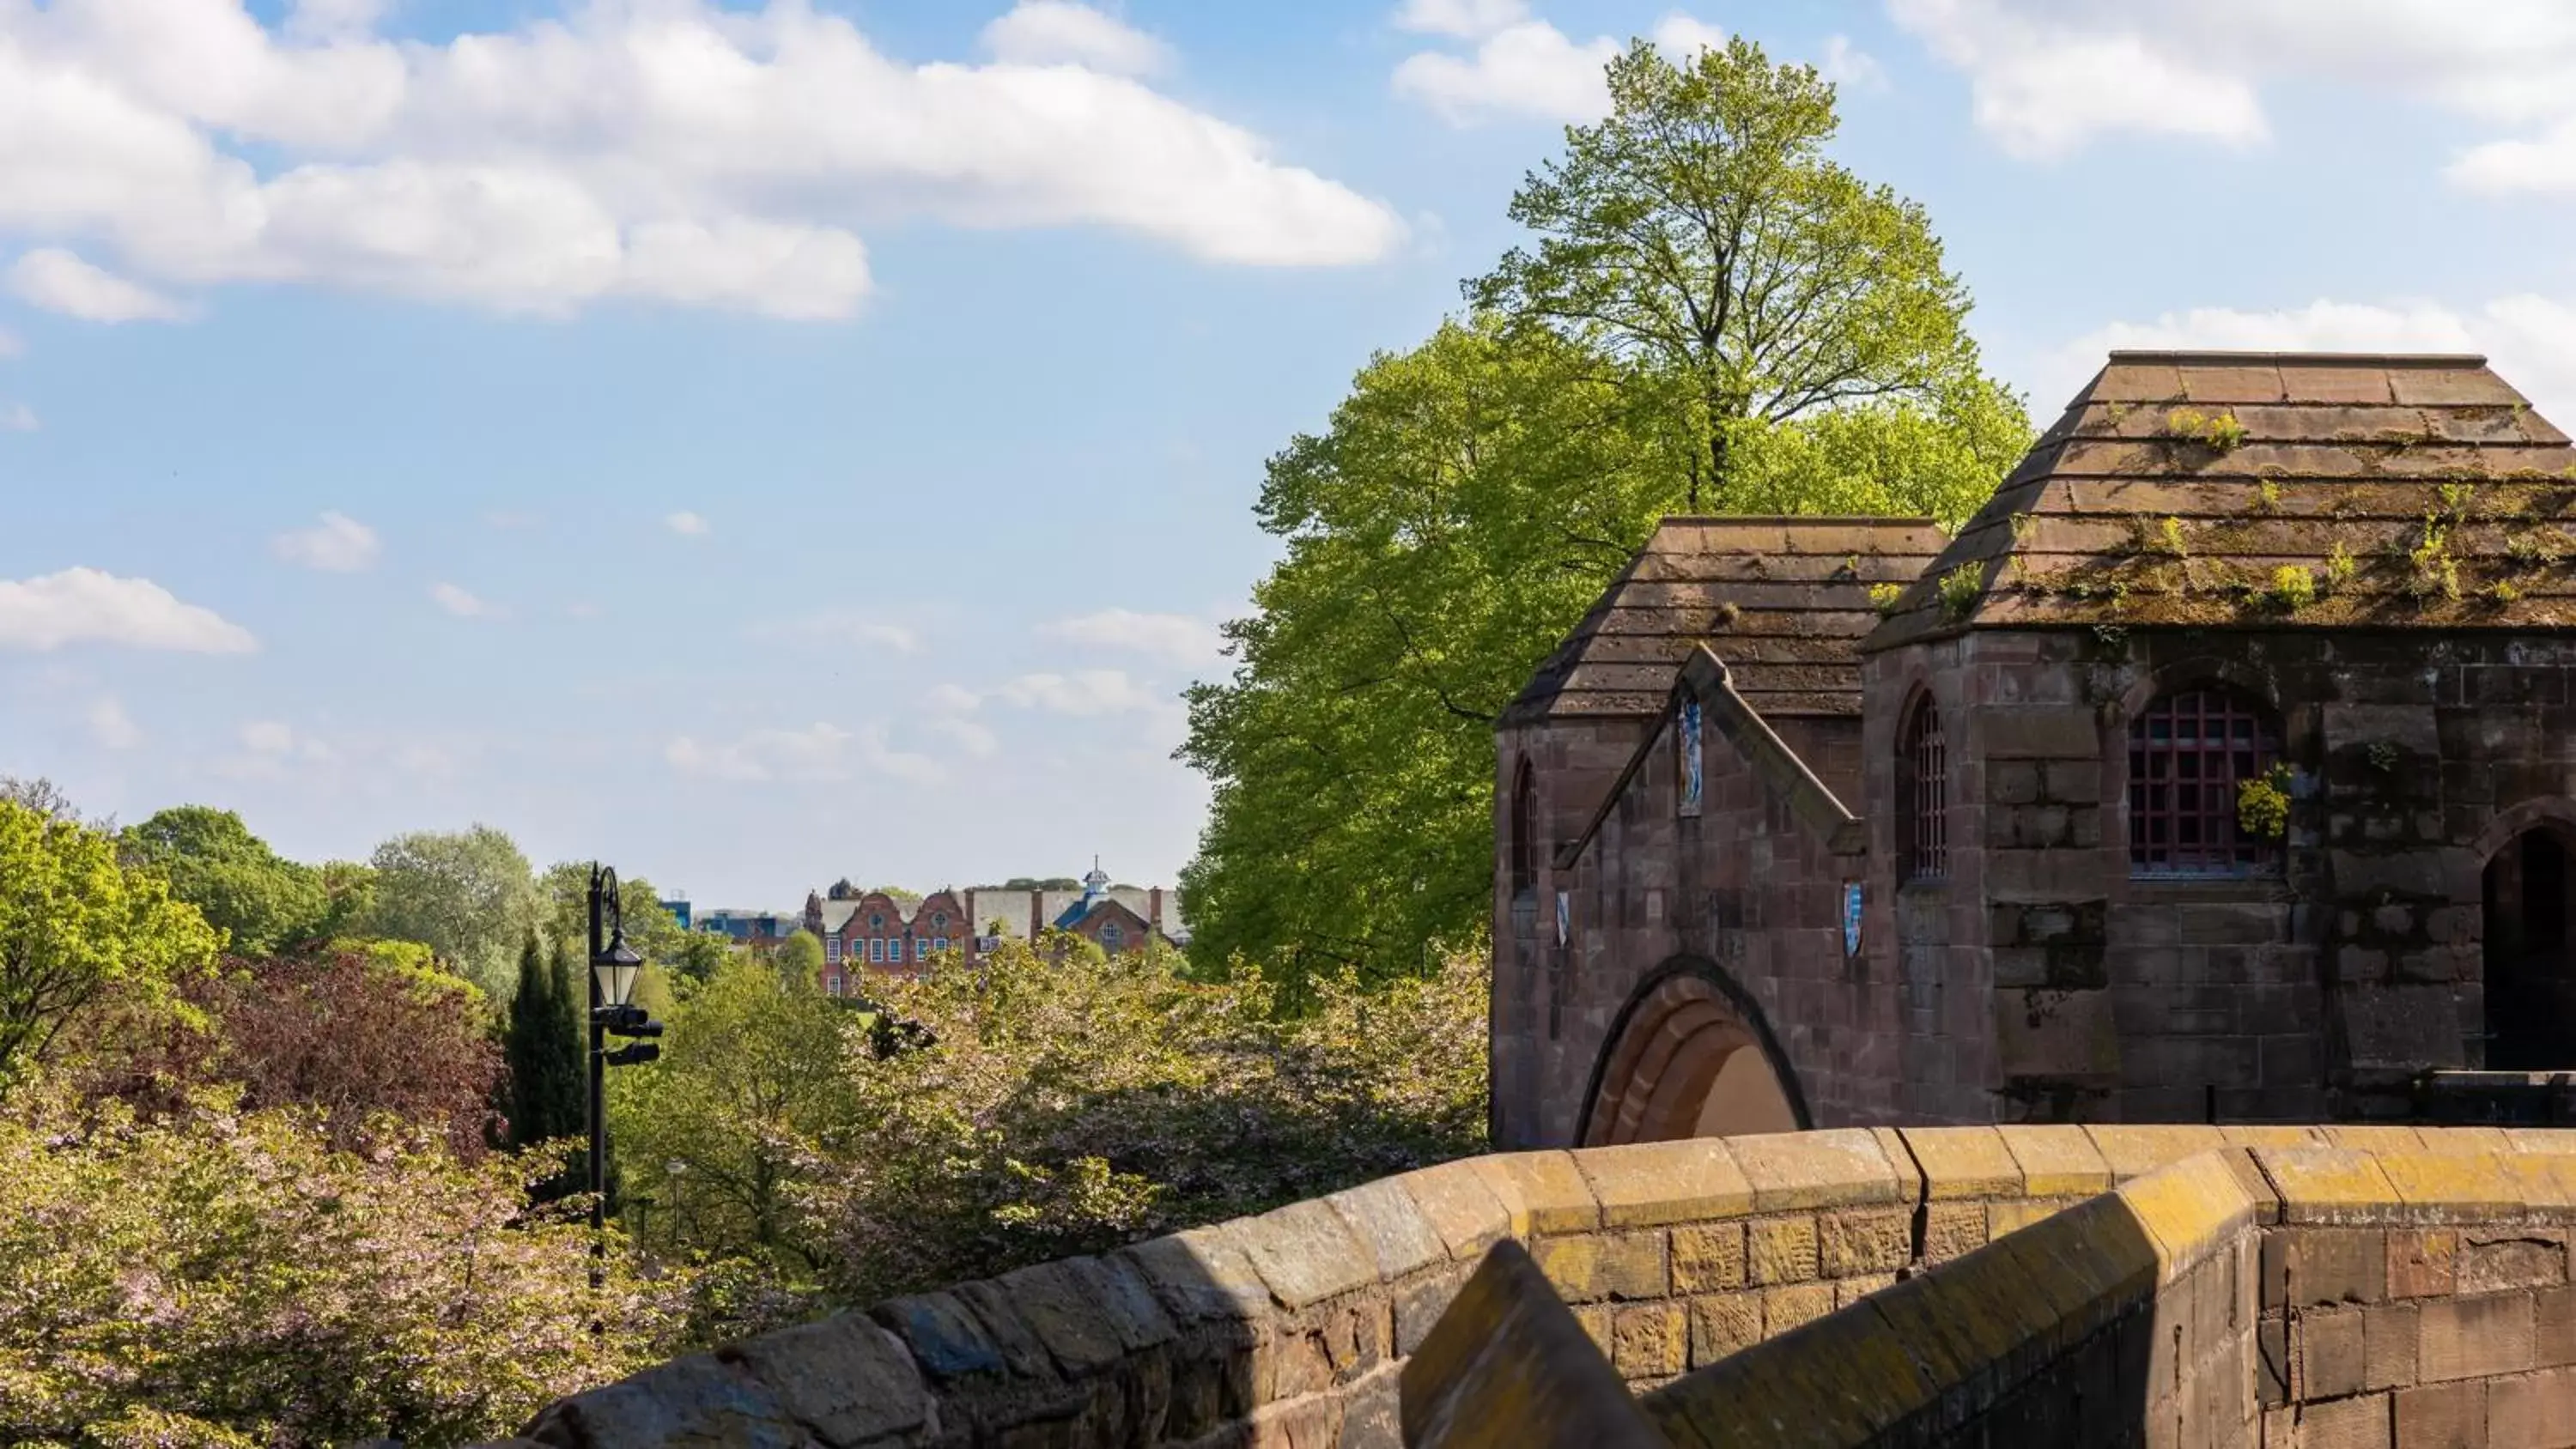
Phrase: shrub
{"type": "Point", "coordinates": [1960, 589]}
{"type": "Point", "coordinates": [221, 1277]}
{"type": "Point", "coordinates": [2263, 804]}
{"type": "Point", "coordinates": [1885, 597]}
{"type": "Point", "coordinates": [2293, 588]}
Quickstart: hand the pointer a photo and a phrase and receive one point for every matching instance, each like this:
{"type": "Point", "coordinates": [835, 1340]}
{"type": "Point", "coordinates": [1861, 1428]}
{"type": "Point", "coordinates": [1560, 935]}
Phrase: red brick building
{"type": "Point", "coordinates": [865, 932]}
{"type": "Point", "coordinates": [2223, 766]}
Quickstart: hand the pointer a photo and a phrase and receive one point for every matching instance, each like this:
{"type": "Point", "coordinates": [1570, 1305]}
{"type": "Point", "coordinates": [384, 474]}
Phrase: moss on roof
{"type": "Point", "coordinates": [1781, 600]}
{"type": "Point", "coordinates": [2264, 490]}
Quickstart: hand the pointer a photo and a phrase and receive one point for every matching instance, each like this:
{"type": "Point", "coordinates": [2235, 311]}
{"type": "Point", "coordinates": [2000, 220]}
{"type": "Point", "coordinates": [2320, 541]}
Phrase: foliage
{"type": "Point", "coordinates": [1070, 1104]}
{"type": "Point", "coordinates": [359, 1041]}
{"type": "Point", "coordinates": [2294, 587]}
{"type": "Point", "coordinates": [753, 1084]}
{"type": "Point", "coordinates": [2221, 434]}
{"type": "Point", "coordinates": [1884, 597]}
{"type": "Point", "coordinates": [800, 957]}
{"type": "Point", "coordinates": [75, 924]}
{"type": "Point", "coordinates": [1699, 236]}
{"type": "Point", "coordinates": [261, 901]}
{"type": "Point", "coordinates": [348, 896]}
{"type": "Point", "coordinates": [548, 1085]}
{"type": "Point", "coordinates": [467, 895]}
{"type": "Point", "coordinates": [2341, 567]}
{"type": "Point", "coordinates": [897, 894]}
{"type": "Point", "coordinates": [1960, 588]}
{"type": "Point", "coordinates": [1713, 316]}
{"type": "Point", "coordinates": [2263, 804]}
{"type": "Point", "coordinates": [564, 893]}
{"type": "Point", "coordinates": [1036, 883]}
{"type": "Point", "coordinates": [221, 1277]}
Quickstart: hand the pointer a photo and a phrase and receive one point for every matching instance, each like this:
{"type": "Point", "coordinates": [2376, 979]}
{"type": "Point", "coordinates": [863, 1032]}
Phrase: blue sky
{"type": "Point", "coordinates": [759, 444]}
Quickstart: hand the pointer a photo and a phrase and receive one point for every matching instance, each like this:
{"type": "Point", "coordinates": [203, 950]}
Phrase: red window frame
{"type": "Point", "coordinates": [2188, 751]}
{"type": "Point", "coordinates": [1924, 764]}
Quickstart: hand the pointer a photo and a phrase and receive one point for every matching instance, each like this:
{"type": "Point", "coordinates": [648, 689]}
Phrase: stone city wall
{"type": "Point", "coordinates": [1288, 1329]}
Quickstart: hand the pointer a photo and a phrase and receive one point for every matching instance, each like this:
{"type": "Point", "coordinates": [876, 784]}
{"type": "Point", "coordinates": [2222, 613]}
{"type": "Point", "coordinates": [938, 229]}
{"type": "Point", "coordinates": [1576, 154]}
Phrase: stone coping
{"type": "Point", "coordinates": [1362, 1274]}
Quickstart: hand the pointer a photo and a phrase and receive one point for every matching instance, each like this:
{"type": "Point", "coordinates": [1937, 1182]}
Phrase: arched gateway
{"type": "Point", "coordinates": [1690, 1056]}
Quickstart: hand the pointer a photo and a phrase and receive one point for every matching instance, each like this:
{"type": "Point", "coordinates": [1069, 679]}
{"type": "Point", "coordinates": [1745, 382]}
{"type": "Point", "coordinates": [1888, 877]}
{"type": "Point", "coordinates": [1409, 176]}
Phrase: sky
{"type": "Point", "coordinates": [760, 443]}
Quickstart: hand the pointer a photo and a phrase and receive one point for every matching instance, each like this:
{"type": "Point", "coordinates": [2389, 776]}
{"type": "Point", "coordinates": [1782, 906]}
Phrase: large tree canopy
{"type": "Point", "coordinates": [467, 895]}
{"type": "Point", "coordinates": [261, 900]}
{"type": "Point", "coordinates": [1714, 316]}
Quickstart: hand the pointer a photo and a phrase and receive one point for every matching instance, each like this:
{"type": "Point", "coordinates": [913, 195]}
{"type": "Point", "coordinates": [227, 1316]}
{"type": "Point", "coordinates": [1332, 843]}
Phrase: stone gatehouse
{"type": "Point", "coordinates": [2219, 769]}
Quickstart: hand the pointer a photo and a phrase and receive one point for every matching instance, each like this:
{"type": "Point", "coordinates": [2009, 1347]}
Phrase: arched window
{"type": "Point", "coordinates": [2188, 751]}
{"type": "Point", "coordinates": [1524, 831]}
{"type": "Point", "coordinates": [1923, 793]}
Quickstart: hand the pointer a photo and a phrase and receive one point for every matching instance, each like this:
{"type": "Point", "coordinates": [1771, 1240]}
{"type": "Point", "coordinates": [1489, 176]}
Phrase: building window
{"type": "Point", "coordinates": [940, 944]}
{"type": "Point", "coordinates": [832, 948]}
{"type": "Point", "coordinates": [876, 948]}
{"type": "Point", "coordinates": [2187, 753]}
{"type": "Point", "coordinates": [833, 984]}
{"type": "Point", "coordinates": [1111, 937]}
{"type": "Point", "coordinates": [921, 948]}
{"type": "Point", "coordinates": [876, 923]}
{"type": "Point", "coordinates": [939, 921]}
{"type": "Point", "coordinates": [1923, 793]}
{"type": "Point", "coordinates": [1524, 831]}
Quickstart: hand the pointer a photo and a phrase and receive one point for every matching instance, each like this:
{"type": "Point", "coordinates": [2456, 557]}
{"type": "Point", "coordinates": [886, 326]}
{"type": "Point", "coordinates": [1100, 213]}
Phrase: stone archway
{"type": "Point", "coordinates": [1690, 1056]}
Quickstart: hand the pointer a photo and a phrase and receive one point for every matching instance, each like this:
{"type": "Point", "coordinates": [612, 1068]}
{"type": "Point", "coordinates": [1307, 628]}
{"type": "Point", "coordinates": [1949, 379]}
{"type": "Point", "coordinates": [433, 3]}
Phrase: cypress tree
{"type": "Point", "coordinates": [532, 1018]}
{"type": "Point", "coordinates": [567, 1036]}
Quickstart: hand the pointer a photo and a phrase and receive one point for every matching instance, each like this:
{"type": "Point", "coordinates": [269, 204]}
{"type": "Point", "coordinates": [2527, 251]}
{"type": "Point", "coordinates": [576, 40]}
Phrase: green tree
{"type": "Point", "coordinates": [466, 895]}
{"type": "Point", "coordinates": [348, 895]}
{"type": "Point", "coordinates": [1714, 315]}
{"type": "Point", "coordinates": [545, 1047]}
{"type": "Point", "coordinates": [76, 925]}
{"type": "Point", "coordinates": [800, 958]}
{"type": "Point", "coordinates": [564, 891]}
{"type": "Point", "coordinates": [751, 1087]}
{"type": "Point", "coordinates": [1700, 238]}
{"type": "Point", "coordinates": [262, 901]}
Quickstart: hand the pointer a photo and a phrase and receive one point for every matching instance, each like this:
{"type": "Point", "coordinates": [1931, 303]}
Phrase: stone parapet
{"type": "Point", "coordinates": [1292, 1328]}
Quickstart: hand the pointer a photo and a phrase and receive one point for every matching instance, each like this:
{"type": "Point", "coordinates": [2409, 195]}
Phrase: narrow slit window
{"type": "Point", "coordinates": [1924, 791]}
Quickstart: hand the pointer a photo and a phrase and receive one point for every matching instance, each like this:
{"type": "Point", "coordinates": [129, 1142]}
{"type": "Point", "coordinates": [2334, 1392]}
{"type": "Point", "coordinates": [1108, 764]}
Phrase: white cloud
{"type": "Point", "coordinates": [1530, 68]}
{"type": "Point", "coordinates": [1082, 692]}
{"type": "Point", "coordinates": [338, 544]}
{"type": "Point", "coordinates": [87, 606]}
{"type": "Point", "coordinates": [676, 151]}
{"type": "Point", "coordinates": [1057, 32]}
{"type": "Point", "coordinates": [268, 737]}
{"type": "Point", "coordinates": [111, 727]}
{"type": "Point", "coordinates": [950, 699]}
{"type": "Point", "coordinates": [1466, 19]}
{"type": "Point", "coordinates": [821, 752]}
{"type": "Point", "coordinates": [463, 603]}
{"type": "Point", "coordinates": [686, 524]}
{"type": "Point", "coordinates": [1176, 637]}
{"type": "Point", "coordinates": [1850, 67]}
{"type": "Point", "coordinates": [1683, 38]}
{"type": "Point", "coordinates": [17, 417]}
{"type": "Point", "coordinates": [837, 628]}
{"type": "Point", "coordinates": [2531, 340]}
{"type": "Point", "coordinates": [58, 281]}
{"type": "Point", "coordinates": [973, 738]}
{"type": "Point", "coordinates": [2049, 76]}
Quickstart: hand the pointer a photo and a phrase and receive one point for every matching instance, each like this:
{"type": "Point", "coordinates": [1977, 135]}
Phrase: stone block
{"type": "Point", "coordinates": [2443, 1416]}
{"type": "Point", "coordinates": [1461, 1207]}
{"type": "Point", "coordinates": [1649, 1184]}
{"type": "Point", "coordinates": [2532, 1411]}
{"type": "Point", "coordinates": [1400, 1237]}
{"type": "Point", "coordinates": [1202, 1276]}
{"type": "Point", "coordinates": [1786, 1307]}
{"type": "Point", "coordinates": [1305, 1253]}
{"type": "Point", "coordinates": [1707, 1257]}
{"type": "Point", "coordinates": [1061, 1310]}
{"type": "Point", "coordinates": [1863, 1241]}
{"type": "Point", "coordinates": [2057, 1159]}
{"type": "Point", "coordinates": [2272, 1372]}
{"type": "Point", "coordinates": [686, 1402]}
{"type": "Point", "coordinates": [1963, 1162]}
{"type": "Point", "coordinates": [2497, 1262]}
{"type": "Point", "coordinates": [844, 1376]}
{"type": "Point", "coordinates": [2327, 1357]}
{"type": "Point", "coordinates": [1373, 1411]}
{"type": "Point", "coordinates": [1120, 1291]}
{"type": "Point", "coordinates": [2322, 1267]}
{"type": "Point", "coordinates": [1848, 1291]}
{"type": "Point", "coordinates": [1543, 1191]}
{"type": "Point", "coordinates": [1650, 1340]}
{"type": "Point", "coordinates": [1843, 1167]}
{"type": "Point", "coordinates": [1022, 1351]}
{"type": "Point", "coordinates": [2423, 1263]}
{"type": "Point", "coordinates": [2060, 1035]}
{"type": "Point", "coordinates": [1573, 1266]}
{"type": "Point", "coordinates": [2469, 1338]}
{"type": "Point", "coordinates": [1781, 1249]}
{"type": "Point", "coordinates": [1951, 1229]}
{"type": "Point", "coordinates": [2389, 1335]}
{"type": "Point", "coordinates": [2553, 1327]}
{"type": "Point", "coordinates": [1635, 1265]}
{"type": "Point", "coordinates": [2355, 1423]}
{"type": "Point", "coordinates": [943, 1336]}
{"type": "Point", "coordinates": [1722, 1323]}
{"type": "Point", "coordinates": [2330, 1185]}
{"type": "Point", "coordinates": [2134, 1151]}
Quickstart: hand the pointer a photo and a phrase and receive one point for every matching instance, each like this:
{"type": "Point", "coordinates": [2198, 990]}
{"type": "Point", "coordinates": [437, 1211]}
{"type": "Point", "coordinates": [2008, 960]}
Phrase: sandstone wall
{"type": "Point", "coordinates": [1288, 1329]}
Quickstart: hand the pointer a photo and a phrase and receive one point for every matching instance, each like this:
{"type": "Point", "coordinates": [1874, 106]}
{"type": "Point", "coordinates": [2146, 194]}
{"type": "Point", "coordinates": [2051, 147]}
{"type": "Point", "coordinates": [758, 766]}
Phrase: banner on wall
{"type": "Point", "coordinates": [1564, 909]}
{"type": "Point", "coordinates": [1690, 753]}
{"type": "Point", "coordinates": [1851, 918]}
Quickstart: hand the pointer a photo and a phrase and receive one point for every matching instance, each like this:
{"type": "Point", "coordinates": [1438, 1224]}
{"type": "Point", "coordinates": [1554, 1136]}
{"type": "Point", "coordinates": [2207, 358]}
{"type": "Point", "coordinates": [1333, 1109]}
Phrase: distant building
{"type": "Point", "coordinates": [749, 928]}
{"type": "Point", "coordinates": [678, 906]}
{"type": "Point", "coordinates": [869, 931]}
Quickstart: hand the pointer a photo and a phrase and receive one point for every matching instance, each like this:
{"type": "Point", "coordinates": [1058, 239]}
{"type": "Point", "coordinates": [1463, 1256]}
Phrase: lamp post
{"type": "Point", "coordinates": [614, 965]}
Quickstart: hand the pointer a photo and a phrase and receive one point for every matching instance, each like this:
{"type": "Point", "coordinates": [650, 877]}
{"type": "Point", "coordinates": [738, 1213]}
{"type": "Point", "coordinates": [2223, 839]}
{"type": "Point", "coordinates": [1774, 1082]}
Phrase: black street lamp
{"type": "Point", "coordinates": [614, 965]}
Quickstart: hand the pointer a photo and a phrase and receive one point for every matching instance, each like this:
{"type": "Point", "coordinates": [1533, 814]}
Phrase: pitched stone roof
{"type": "Point", "coordinates": [1781, 600]}
{"type": "Point", "coordinates": [2268, 490]}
